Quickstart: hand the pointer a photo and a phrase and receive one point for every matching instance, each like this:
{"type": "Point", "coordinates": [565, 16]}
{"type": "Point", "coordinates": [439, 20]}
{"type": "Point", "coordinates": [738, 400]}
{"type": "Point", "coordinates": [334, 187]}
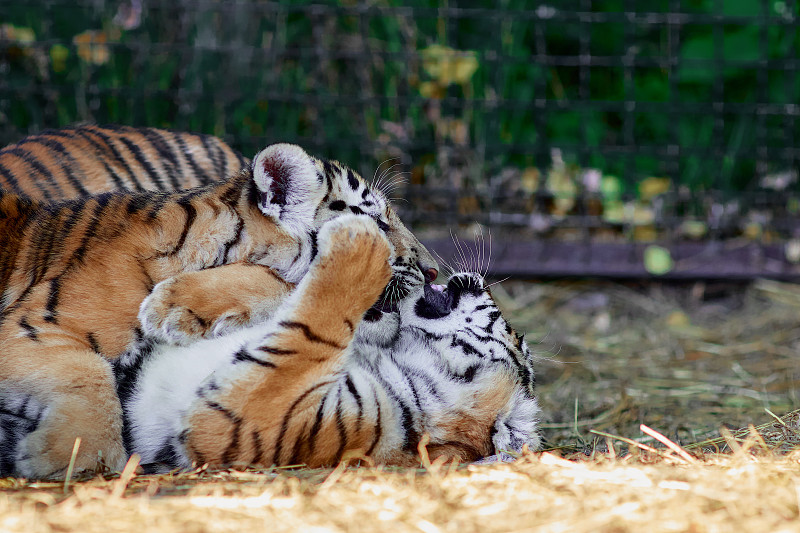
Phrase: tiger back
{"type": "Point", "coordinates": [74, 274]}
{"type": "Point", "coordinates": [88, 159]}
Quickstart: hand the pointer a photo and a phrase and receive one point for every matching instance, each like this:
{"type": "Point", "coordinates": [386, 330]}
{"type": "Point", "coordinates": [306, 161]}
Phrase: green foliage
{"type": "Point", "coordinates": [366, 83]}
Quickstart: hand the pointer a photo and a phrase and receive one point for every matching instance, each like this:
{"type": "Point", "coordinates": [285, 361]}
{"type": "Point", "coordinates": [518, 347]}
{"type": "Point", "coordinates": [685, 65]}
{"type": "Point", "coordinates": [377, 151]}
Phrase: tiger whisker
{"type": "Point", "coordinates": [498, 281]}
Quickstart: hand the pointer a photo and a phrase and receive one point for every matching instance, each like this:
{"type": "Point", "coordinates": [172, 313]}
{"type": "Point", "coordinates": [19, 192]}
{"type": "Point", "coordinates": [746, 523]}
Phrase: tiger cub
{"type": "Point", "coordinates": [73, 275]}
{"type": "Point", "coordinates": [86, 159]}
{"type": "Point", "coordinates": [316, 382]}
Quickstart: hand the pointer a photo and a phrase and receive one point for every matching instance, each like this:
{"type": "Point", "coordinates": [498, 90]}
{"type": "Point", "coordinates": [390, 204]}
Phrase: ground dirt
{"type": "Point", "coordinates": [636, 382]}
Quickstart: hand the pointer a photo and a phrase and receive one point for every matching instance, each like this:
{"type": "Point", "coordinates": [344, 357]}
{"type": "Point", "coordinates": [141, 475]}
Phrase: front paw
{"type": "Point", "coordinates": [353, 265]}
{"type": "Point", "coordinates": [168, 315]}
{"type": "Point", "coordinates": [46, 452]}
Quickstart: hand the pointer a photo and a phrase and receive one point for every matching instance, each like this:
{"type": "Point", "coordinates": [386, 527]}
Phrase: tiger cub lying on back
{"type": "Point", "coordinates": [316, 381]}
{"type": "Point", "coordinates": [73, 275]}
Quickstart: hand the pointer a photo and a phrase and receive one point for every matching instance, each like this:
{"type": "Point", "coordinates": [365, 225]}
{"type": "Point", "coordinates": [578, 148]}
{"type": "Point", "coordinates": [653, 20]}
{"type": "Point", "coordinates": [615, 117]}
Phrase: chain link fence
{"type": "Point", "coordinates": [612, 138]}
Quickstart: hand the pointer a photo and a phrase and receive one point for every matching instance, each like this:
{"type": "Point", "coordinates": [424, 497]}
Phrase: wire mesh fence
{"type": "Point", "coordinates": [587, 129]}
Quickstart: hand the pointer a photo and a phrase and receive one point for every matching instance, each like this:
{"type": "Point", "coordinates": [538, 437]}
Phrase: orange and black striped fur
{"type": "Point", "coordinates": [73, 275]}
{"type": "Point", "coordinates": [88, 159]}
{"type": "Point", "coordinates": [316, 382]}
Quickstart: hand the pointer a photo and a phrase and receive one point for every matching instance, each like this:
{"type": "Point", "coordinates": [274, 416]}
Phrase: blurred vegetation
{"type": "Point", "coordinates": [582, 94]}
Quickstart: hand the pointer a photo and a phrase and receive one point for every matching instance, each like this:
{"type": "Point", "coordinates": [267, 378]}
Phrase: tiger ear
{"type": "Point", "coordinates": [286, 177]}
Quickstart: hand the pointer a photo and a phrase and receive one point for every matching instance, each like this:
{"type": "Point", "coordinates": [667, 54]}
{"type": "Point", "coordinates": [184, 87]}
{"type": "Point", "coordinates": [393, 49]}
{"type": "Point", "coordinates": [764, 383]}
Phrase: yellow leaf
{"type": "Point", "coordinates": [92, 47]}
{"type": "Point", "coordinates": [753, 230]}
{"type": "Point", "coordinates": [446, 65]}
{"type": "Point", "coordinates": [644, 233]}
{"type": "Point", "coordinates": [614, 212]}
{"type": "Point", "coordinates": [431, 89]}
{"type": "Point", "coordinates": [651, 187]}
{"type": "Point", "coordinates": [17, 34]}
{"type": "Point", "coordinates": [678, 319]}
{"type": "Point", "coordinates": [530, 179]}
{"type": "Point", "coordinates": [643, 215]}
{"type": "Point", "coordinates": [694, 229]}
{"type": "Point", "coordinates": [58, 56]}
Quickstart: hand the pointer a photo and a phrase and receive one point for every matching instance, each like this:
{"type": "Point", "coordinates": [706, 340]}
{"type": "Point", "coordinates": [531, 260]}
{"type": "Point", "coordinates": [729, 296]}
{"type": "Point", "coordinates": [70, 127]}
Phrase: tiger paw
{"type": "Point", "coordinates": [47, 451]}
{"type": "Point", "coordinates": [177, 313]}
{"type": "Point", "coordinates": [354, 260]}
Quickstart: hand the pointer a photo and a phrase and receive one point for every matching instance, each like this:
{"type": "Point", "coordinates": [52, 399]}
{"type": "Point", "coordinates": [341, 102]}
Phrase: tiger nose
{"type": "Point", "coordinates": [428, 272]}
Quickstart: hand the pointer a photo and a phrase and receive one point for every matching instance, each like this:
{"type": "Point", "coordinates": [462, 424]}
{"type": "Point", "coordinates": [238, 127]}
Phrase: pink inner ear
{"type": "Point", "coordinates": [279, 176]}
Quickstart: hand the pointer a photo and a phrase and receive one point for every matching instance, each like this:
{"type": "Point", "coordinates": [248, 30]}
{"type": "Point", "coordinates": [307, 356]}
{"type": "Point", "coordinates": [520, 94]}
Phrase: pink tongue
{"type": "Point", "coordinates": [437, 288]}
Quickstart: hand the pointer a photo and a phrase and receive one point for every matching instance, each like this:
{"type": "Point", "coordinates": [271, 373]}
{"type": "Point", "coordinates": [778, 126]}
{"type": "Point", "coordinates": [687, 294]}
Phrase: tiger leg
{"type": "Point", "coordinates": [210, 302]}
{"type": "Point", "coordinates": [275, 385]}
{"type": "Point", "coordinates": [57, 391]}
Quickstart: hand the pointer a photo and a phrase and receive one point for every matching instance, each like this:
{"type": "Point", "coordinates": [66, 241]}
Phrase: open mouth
{"type": "Point", "coordinates": [437, 302]}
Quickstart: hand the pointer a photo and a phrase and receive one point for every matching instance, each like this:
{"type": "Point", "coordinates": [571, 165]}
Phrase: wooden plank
{"type": "Point", "coordinates": [729, 260]}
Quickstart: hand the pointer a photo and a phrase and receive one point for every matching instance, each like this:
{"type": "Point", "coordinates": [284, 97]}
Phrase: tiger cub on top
{"type": "Point", "coordinates": [74, 273]}
{"type": "Point", "coordinates": [317, 380]}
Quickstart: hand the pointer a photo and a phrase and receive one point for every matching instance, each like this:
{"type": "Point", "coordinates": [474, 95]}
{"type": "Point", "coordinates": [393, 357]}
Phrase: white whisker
{"type": "Point", "coordinates": [498, 281]}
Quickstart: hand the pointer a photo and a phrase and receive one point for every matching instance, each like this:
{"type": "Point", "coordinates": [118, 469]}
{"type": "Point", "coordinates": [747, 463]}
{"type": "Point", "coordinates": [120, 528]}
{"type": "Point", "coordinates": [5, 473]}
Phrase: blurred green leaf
{"type": "Point", "coordinates": [611, 188]}
{"type": "Point", "coordinates": [657, 260]}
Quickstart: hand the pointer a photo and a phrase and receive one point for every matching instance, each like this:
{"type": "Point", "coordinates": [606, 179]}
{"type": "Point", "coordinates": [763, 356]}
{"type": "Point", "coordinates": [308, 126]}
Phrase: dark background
{"type": "Point", "coordinates": [588, 124]}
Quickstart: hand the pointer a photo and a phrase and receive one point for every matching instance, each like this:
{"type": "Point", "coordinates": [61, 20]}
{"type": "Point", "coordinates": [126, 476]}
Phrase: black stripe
{"type": "Point", "coordinates": [117, 157]}
{"type": "Point", "coordinates": [77, 256]}
{"type": "Point", "coordinates": [311, 336]}
{"type": "Point", "coordinates": [410, 434]}
{"type": "Point", "coordinates": [37, 166]}
{"type": "Point", "coordinates": [469, 374]}
{"type": "Point", "coordinates": [342, 430]}
{"type": "Point", "coordinates": [144, 163]}
{"type": "Point", "coordinates": [258, 457]}
{"type": "Point", "coordinates": [67, 164]}
{"type": "Point", "coordinates": [286, 419]}
{"type": "Point", "coordinates": [414, 392]}
{"type": "Point", "coordinates": [329, 172]}
{"type": "Point", "coordinates": [102, 201]}
{"type": "Point", "coordinates": [30, 331]}
{"type": "Point", "coordinates": [351, 388]}
{"type": "Point", "coordinates": [50, 314]}
{"type": "Point", "coordinates": [432, 383]}
{"type": "Point", "coordinates": [93, 342]}
{"type": "Point", "coordinates": [493, 317]}
{"type": "Point", "coordinates": [191, 214]}
{"type": "Point", "coordinates": [314, 246]}
{"type": "Point", "coordinates": [378, 425]}
{"type": "Point", "coordinates": [41, 239]}
{"type": "Point", "coordinates": [219, 163]}
{"type": "Point", "coordinates": [161, 145]}
{"type": "Point", "coordinates": [237, 237]}
{"type": "Point", "coordinates": [312, 435]}
{"type": "Point", "coordinates": [466, 347]}
{"type": "Point", "coordinates": [276, 351]}
{"type": "Point", "coordinates": [243, 356]}
{"type": "Point", "coordinates": [352, 180]}
{"type": "Point", "coordinates": [12, 181]}
{"type": "Point", "coordinates": [167, 454]}
{"type": "Point", "coordinates": [233, 446]}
